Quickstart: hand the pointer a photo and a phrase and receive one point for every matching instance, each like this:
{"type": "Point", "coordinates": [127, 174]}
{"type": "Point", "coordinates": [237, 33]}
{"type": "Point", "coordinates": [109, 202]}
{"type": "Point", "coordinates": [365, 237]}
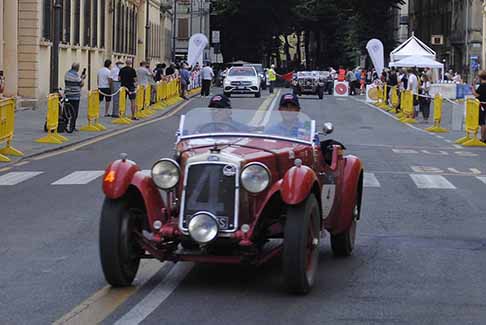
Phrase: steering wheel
{"type": "Point", "coordinates": [217, 127]}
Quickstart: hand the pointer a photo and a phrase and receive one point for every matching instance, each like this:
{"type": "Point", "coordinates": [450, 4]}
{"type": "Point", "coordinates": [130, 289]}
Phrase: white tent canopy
{"type": "Point", "coordinates": [417, 61]}
{"type": "Point", "coordinates": [412, 47]}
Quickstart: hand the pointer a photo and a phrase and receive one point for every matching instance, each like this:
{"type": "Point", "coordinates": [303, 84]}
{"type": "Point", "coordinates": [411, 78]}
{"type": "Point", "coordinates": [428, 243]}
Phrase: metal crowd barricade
{"type": "Point", "coordinates": [395, 100]}
{"type": "Point", "coordinates": [438, 101]}
{"type": "Point", "coordinates": [52, 122]}
{"type": "Point", "coordinates": [140, 102]}
{"type": "Point", "coordinates": [408, 109]}
{"type": "Point", "coordinates": [148, 100]}
{"type": "Point", "coordinates": [472, 125]}
{"type": "Point", "coordinates": [93, 113]}
{"type": "Point", "coordinates": [7, 128]}
{"type": "Point", "coordinates": [122, 108]}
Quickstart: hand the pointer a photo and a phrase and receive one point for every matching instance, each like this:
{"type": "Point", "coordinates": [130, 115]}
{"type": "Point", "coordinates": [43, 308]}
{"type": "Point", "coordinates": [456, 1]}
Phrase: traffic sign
{"type": "Point", "coordinates": [341, 88]}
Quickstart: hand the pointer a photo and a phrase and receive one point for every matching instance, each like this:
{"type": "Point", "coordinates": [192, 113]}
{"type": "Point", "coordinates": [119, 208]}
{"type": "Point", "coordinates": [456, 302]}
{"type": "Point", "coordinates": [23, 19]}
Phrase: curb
{"type": "Point", "coordinates": [167, 111]}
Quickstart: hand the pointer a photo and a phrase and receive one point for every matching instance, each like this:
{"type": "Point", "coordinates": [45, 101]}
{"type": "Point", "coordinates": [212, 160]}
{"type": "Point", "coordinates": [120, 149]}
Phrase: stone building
{"type": "Point", "coordinates": [453, 28]}
{"type": "Point", "coordinates": [90, 32]}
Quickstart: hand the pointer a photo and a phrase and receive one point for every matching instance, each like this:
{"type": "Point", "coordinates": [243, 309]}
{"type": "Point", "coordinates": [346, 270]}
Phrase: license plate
{"type": "Point", "coordinates": [240, 88]}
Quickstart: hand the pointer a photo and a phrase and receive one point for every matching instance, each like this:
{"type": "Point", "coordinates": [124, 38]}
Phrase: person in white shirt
{"type": "Point", "coordinates": [413, 86]}
{"type": "Point", "coordinates": [207, 75]}
{"type": "Point", "coordinates": [457, 78]}
{"type": "Point", "coordinates": [104, 85]}
{"type": "Point", "coordinates": [115, 86]}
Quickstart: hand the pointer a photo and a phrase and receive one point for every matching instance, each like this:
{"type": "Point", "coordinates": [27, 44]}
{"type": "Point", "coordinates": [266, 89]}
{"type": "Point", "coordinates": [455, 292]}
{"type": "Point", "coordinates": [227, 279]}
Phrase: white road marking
{"type": "Point", "coordinates": [439, 136]}
{"type": "Point", "coordinates": [272, 107]}
{"type": "Point", "coordinates": [431, 182]}
{"type": "Point", "coordinates": [482, 179]}
{"type": "Point", "coordinates": [79, 177]}
{"type": "Point", "coordinates": [157, 296]}
{"type": "Point", "coordinates": [370, 180]}
{"type": "Point", "coordinates": [14, 178]}
{"type": "Point", "coordinates": [458, 146]}
{"type": "Point", "coordinates": [405, 151]}
{"type": "Point", "coordinates": [448, 141]}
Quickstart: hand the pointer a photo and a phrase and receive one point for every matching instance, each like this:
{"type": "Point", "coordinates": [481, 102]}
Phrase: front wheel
{"type": "Point", "coordinates": [301, 246]}
{"type": "Point", "coordinates": [69, 115]}
{"type": "Point", "coordinates": [119, 251]}
{"type": "Point", "coordinates": [258, 94]}
{"type": "Point", "coordinates": [320, 93]}
{"type": "Point", "coordinates": [343, 244]}
{"type": "Point", "coordinates": [227, 94]}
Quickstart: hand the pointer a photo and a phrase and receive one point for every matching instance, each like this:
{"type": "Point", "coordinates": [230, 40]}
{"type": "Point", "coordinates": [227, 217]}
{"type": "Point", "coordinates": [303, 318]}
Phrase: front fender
{"type": "Point", "coordinates": [154, 204]}
{"type": "Point", "coordinates": [118, 177]}
{"type": "Point", "coordinates": [351, 178]}
{"type": "Point", "coordinates": [297, 184]}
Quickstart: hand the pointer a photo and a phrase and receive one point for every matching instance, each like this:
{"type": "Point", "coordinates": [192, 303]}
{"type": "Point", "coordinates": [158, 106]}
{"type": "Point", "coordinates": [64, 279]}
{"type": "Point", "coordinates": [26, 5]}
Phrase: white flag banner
{"type": "Point", "coordinates": [197, 44]}
{"type": "Point", "coordinates": [377, 55]}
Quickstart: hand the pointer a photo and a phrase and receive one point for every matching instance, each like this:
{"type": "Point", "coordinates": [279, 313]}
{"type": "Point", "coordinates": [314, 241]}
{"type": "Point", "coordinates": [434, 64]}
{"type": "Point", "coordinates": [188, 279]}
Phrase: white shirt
{"type": "Point", "coordinates": [104, 78]}
{"type": "Point", "coordinates": [115, 73]}
{"type": "Point", "coordinates": [412, 83]}
{"type": "Point", "coordinates": [207, 73]}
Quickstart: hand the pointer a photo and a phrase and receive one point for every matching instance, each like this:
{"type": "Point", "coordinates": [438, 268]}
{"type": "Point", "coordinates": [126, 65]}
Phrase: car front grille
{"type": "Point", "coordinates": [241, 83]}
{"type": "Point", "coordinates": [211, 187]}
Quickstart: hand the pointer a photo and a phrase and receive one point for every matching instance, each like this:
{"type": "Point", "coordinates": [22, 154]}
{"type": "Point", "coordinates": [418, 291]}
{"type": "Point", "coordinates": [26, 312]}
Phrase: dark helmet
{"type": "Point", "coordinates": [289, 99]}
{"type": "Point", "coordinates": [220, 101]}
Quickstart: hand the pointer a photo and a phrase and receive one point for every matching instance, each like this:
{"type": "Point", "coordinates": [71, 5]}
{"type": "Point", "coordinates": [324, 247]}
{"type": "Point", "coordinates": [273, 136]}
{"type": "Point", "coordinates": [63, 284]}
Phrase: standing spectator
{"type": "Point", "coordinates": [185, 80]}
{"type": "Point", "coordinates": [357, 83]}
{"type": "Point", "coordinates": [143, 74]}
{"type": "Point", "coordinates": [151, 82]}
{"type": "Point", "coordinates": [170, 70]}
{"type": "Point", "coordinates": [424, 99]}
{"type": "Point", "coordinates": [128, 78]}
{"type": "Point", "coordinates": [457, 78]}
{"type": "Point", "coordinates": [392, 81]}
{"type": "Point", "coordinates": [272, 78]}
{"type": "Point", "coordinates": [104, 85]}
{"type": "Point", "coordinates": [207, 75]}
{"type": "Point", "coordinates": [159, 71]}
{"type": "Point", "coordinates": [115, 87]}
{"type": "Point", "coordinates": [480, 93]}
{"type": "Point", "coordinates": [413, 86]}
{"type": "Point", "coordinates": [363, 82]}
{"type": "Point", "coordinates": [351, 79]}
{"type": "Point", "coordinates": [72, 89]}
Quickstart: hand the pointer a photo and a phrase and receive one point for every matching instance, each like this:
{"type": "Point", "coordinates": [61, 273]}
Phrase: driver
{"type": "Point", "coordinates": [290, 124]}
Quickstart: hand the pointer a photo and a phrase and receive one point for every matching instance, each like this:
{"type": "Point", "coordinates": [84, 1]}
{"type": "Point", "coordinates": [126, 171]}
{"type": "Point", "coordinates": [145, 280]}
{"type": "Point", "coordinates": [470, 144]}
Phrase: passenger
{"type": "Point", "coordinates": [290, 126]}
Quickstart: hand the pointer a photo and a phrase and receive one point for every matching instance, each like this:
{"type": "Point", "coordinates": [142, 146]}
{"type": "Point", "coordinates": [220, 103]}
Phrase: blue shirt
{"type": "Point", "coordinates": [185, 76]}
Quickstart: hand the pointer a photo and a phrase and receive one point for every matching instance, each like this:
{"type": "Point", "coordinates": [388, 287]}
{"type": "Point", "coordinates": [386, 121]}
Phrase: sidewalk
{"type": "Point", "coordinates": [29, 126]}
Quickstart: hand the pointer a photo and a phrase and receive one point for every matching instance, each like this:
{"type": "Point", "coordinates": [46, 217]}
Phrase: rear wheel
{"type": "Point", "coordinates": [119, 250]}
{"type": "Point", "coordinates": [343, 244]}
{"type": "Point", "coordinates": [301, 246]}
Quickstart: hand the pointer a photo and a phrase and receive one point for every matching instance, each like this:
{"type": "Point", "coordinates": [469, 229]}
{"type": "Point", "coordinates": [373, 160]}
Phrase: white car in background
{"type": "Point", "coordinates": [242, 80]}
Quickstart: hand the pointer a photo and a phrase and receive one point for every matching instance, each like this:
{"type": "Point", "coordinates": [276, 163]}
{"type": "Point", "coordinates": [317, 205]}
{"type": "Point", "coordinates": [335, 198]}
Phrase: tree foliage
{"type": "Point", "coordinates": [333, 32]}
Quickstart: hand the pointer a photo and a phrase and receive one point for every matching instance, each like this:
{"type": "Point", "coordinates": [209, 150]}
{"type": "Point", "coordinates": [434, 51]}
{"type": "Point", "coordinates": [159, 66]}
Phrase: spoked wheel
{"type": "Point", "coordinates": [119, 250]}
{"type": "Point", "coordinates": [69, 115]}
{"type": "Point", "coordinates": [343, 244]}
{"type": "Point", "coordinates": [301, 246]}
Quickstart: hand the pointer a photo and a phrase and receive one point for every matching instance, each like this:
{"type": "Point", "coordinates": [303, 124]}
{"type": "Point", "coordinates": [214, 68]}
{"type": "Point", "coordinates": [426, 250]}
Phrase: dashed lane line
{"type": "Point", "coordinates": [482, 179]}
{"type": "Point", "coordinates": [431, 182]}
{"type": "Point", "coordinates": [370, 180]}
{"type": "Point", "coordinates": [14, 178]}
{"type": "Point", "coordinates": [79, 177]}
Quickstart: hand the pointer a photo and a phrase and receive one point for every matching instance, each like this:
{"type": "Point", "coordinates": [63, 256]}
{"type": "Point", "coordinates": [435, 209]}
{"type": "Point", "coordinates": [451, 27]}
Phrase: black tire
{"type": "Point", "coordinates": [343, 244]}
{"type": "Point", "coordinates": [119, 251]}
{"type": "Point", "coordinates": [69, 115]}
{"type": "Point", "coordinates": [301, 246]}
{"type": "Point", "coordinates": [258, 94]}
{"type": "Point", "coordinates": [227, 94]}
{"type": "Point", "coordinates": [320, 93]}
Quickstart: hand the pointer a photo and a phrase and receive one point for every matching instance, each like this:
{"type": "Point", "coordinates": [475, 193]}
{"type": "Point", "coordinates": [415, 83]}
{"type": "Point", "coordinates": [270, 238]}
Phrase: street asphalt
{"type": "Point", "coordinates": [420, 256]}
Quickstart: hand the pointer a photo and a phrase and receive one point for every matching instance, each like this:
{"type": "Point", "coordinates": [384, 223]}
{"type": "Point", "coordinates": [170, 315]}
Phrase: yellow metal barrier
{"type": "Point", "coordinates": [472, 125]}
{"type": "Point", "coordinates": [159, 104]}
{"type": "Point", "coordinates": [408, 109]}
{"type": "Point", "coordinates": [438, 100]}
{"type": "Point", "coordinates": [382, 102]}
{"type": "Point", "coordinates": [52, 122]}
{"type": "Point", "coordinates": [93, 113]}
{"type": "Point", "coordinates": [122, 108]}
{"type": "Point", "coordinates": [148, 100]}
{"type": "Point", "coordinates": [395, 100]}
{"type": "Point", "coordinates": [140, 102]}
{"type": "Point", "coordinates": [7, 127]}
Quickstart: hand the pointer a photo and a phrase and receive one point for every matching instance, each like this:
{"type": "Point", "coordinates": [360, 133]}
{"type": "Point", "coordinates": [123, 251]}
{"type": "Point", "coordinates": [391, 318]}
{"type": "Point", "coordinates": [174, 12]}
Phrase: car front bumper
{"type": "Point", "coordinates": [241, 89]}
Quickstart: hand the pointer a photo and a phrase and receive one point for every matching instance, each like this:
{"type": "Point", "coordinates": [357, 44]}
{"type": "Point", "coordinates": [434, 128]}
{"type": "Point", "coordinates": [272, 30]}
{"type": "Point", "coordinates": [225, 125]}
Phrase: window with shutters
{"type": "Point", "coordinates": [77, 22]}
{"type": "Point", "coordinates": [66, 30]}
{"type": "Point", "coordinates": [46, 19]}
{"type": "Point", "coordinates": [87, 23]}
{"type": "Point", "coordinates": [183, 28]}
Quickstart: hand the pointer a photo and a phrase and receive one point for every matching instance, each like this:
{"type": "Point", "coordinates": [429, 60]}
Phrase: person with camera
{"type": "Point", "coordinates": [73, 83]}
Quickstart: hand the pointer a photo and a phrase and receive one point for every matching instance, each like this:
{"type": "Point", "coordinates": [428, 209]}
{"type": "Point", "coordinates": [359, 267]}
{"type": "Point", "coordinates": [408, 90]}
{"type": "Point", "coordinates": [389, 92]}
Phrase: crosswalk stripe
{"type": "Point", "coordinates": [482, 179]}
{"type": "Point", "coordinates": [14, 178]}
{"type": "Point", "coordinates": [79, 177]}
{"type": "Point", "coordinates": [370, 180]}
{"type": "Point", "coordinates": [431, 182]}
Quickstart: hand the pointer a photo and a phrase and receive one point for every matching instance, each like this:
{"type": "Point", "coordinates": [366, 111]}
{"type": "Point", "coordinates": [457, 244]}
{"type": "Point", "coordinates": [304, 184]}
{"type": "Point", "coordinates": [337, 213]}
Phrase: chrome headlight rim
{"type": "Point", "coordinates": [265, 168]}
{"type": "Point", "coordinates": [213, 232]}
{"type": "Point", "coordinates": [170, 185]}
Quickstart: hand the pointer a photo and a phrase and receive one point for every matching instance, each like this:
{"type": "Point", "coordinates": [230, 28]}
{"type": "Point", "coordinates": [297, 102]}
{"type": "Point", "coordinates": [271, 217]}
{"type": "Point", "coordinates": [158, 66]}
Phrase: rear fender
{"type": "Point", "coordinates": [297, 184]}
{"type": "Point", "coordinates": [352, 181]}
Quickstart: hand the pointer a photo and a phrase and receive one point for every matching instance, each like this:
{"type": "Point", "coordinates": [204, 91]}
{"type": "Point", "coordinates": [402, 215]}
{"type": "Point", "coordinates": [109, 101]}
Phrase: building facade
{"type": "Point", "coordinates": [401, 23]}
{"type": "Point", "coordinates": [453, 28]}
{"type": "Point", "coordinates": [90, 31]}
{"type": "Point", "coordinates": [193, 16]}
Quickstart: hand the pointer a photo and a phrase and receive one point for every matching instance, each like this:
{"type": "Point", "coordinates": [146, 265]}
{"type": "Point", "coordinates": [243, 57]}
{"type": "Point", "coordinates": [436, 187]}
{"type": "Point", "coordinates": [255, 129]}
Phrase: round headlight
{"type": "Point", "coordinates": [165, 174]}
{"type": "Point", "coordinates": [255, 177]}
{"type": "Point", "coordinates": [203, 227]}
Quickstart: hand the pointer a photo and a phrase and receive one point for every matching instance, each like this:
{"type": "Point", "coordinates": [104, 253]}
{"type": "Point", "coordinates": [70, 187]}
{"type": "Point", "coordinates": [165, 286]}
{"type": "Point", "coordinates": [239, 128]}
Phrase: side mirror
{"type": "Point", "coordinates": [328, 128]}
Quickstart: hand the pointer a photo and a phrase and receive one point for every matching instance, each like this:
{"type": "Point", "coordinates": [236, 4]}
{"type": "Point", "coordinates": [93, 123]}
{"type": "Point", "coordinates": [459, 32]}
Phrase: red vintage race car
{"type": "Point", "coordinates": [242, 187]}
